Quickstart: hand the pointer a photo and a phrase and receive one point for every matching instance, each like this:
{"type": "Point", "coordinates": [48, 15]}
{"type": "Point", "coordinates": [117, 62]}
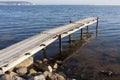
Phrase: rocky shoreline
{"type": "Point", "coordinates": [40, 70]}
{"type": "Point", "coordinates": [91, 62]}
{"type": "Point", "coordinates": [45, 69]}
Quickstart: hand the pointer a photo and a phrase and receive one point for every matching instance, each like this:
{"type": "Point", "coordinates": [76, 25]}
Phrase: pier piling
{"type": "Point", "coordinates": [44, 52]}
{"type": "Point", "coordinates": [81, 37]}
{"type": "Point", "coordinates": [87, 29]}
{"type": "Point", "coordinates": [97, 26]}
{"type": "Point", "coordinates": [87, 32]}
{"type": "Point", "coordinates": [60, 44]}
{"type": "Point", "coordinates": [70, 40]}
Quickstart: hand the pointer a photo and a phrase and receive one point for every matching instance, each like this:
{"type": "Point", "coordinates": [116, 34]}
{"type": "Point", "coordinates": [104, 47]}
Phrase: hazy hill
{"type": "Point", "coordinates": [15, 3]}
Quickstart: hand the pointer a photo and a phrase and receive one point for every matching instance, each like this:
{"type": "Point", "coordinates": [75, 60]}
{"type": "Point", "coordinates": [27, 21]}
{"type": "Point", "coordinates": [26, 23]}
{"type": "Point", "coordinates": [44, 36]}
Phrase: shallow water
{"type": "Point", "coordinates": [99, 53]}
{"type": "Point", "coordinates": [20, 22]}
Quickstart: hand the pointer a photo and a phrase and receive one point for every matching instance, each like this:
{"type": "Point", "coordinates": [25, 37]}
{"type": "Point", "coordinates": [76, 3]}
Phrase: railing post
{"type": "Point", "coordinates": [60, 44]}
{"type": "Point", "coordinates": [44, 52]}
{"type": "Point", "coordinates": [81, 34]}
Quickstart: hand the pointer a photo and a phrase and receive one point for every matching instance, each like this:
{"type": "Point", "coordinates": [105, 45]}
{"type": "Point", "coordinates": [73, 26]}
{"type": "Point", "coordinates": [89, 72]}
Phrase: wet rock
{"type": "Point", "coordinates": [106, 73]}
{"type": "Point", "coordinates": [41, 67]}
{"type": "Point", "coordinates": [50, 68]}
{"type": "Point", "coordinates": [53, 77]}
{"type": "Point", "coordinates": [39, 62]}
{"type": "Point", "coordinates": [21, 70]}
{"type": "Point", "coordinates": [1, 72]}
{"type": "Point", "coordinates": [56, 76]}
{"type": "Point", "coordinates": [12, 74]}
{"type": "Point", "coordinates": [84, 76]}
{"type": "Point", "coordinates": [55, 66]}
{"type": "Point", "coordinates": [62, 74]}
{"type": "Point", "coordinates": [45, 60]}
{"type": "Point", "coordinates": [73, 79]}
{"type": "Point", "coordinates": [60, 77]}
{"type": "Point", "coordinates": [18, 78]}
{"type": "Point", "coordinates": [59, 62]}
{"type": "Point", "coordinates": [38, 77]}
{"type": "Point", "coordinates": [29, 61]}
{"type": "Point", "coordinates": [47, 74]}
{"type": "Point", "coordinates": [110, 73]}
{"type": "Point", "coordinates": [32, 71]}
{"type": "Point", "coordinates": [5, 77]}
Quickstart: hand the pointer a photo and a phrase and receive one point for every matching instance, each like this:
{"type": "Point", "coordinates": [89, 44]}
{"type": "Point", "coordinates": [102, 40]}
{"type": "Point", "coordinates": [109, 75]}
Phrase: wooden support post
{"type": "Point", "coordinates": [97, 26]}
{"type": "Point", "coordinates": [70, 39]}
{"type": "Point", "coordinates": [87, 32]}
{"type": "Point", "coordinates": [60, 44]}
{"type": "Point", "coordinates": [81, 34]}
{"type": "Point", "coordinates": [70, 21]}
{"type": "Point", "coordinates": [44, 52]}
{"type": "Point", "coordinates": [87, 29]}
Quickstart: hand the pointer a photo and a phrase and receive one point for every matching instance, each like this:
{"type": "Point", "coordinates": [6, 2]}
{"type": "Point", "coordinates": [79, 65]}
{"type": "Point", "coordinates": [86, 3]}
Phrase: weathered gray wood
{"type": "Point", "coordinates": [15, 54]}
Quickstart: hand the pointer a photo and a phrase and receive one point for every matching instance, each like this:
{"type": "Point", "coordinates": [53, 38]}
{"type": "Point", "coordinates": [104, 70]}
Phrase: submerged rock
{"type": "Point", "coordinates": [32, 71]}
{"type": "Point", "coordinates": [45, 60]}
{"type": "Point", "coordinates": [110, 73]}
{"type": "Point", "coordinates": [40, 70]}
{"type": "Point", "coordinates": [47, 74]}
{"type": "Point", "coordinates": [18, 78]}
{"type": "Point", "coordinates": [106, 73]}
{"type": "Point", "coordinates": [59, 62]}
{"type": "Point", "coordinates": [39, 62]}
{"type": "Point", "coordinates": [56, 76]}
{"type": "Point", "coordinates": [42, 67]}
{"type": "Point", "coordinates": [38, 77]}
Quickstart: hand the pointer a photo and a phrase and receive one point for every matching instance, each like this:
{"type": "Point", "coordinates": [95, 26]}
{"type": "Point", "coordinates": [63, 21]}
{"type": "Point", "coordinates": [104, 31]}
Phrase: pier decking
{"type": "Point", "coordinates": [15, 54]}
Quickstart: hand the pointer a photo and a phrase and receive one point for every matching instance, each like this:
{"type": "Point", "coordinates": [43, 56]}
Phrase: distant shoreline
{"type": "Point", "coordinates": [62, 5]}
{"type": "Point", "coordinates": [14, 3]}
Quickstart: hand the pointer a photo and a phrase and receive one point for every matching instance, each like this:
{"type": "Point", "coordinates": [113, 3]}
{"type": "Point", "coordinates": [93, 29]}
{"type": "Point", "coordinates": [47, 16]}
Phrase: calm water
{"type": "Point", "coordinates": [20, 22]}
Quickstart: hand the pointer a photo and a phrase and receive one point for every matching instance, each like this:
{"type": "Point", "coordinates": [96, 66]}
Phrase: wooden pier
{"type": "Point", "coordinates": [17, 53]}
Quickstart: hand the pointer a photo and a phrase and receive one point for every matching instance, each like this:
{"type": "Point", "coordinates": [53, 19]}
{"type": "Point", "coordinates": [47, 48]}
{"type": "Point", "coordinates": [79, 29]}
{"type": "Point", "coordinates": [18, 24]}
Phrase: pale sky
{"type": "Point", "coordinates": [72, 2]}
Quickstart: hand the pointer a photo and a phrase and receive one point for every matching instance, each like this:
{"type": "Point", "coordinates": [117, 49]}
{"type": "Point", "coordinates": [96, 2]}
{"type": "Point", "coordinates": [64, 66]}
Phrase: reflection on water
{"type": "Point", "coordinates": [89, 62]}
{"type": "Point", "coordinates": [102, 53]}
{"type": "Point", "coordinates": [68, 48]}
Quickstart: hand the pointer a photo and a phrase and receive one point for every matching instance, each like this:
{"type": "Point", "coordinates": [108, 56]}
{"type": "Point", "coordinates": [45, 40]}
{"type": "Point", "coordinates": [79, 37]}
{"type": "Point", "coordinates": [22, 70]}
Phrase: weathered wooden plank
{"type": "Point", "coordinates": [15, 54]}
